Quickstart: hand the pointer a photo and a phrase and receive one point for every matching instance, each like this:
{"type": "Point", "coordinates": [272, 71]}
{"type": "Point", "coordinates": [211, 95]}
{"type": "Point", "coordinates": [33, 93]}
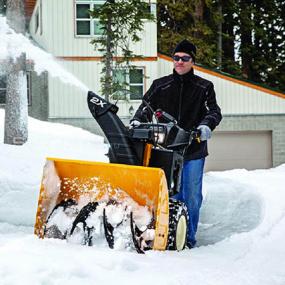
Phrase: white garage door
{"type": "Point", "coordinates": [230, 150]}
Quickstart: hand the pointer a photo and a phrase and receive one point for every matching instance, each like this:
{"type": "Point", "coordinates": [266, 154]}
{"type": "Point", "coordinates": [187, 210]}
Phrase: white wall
{"type": "Point", "coordinates": [234, 98]}
{"type": "Point", "coordinates": [58, 32]}
{"type": "Point", "coordinates": [57, 36]}
{"type": "Point", "coordinates": [67, 101]}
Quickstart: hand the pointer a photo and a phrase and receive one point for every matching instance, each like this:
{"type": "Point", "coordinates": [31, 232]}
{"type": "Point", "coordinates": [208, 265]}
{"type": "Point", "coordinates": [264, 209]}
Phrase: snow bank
{"type": "Point", "coordinates": [240, 236]}
{"type": "Point", "coordinates": [22, 166]}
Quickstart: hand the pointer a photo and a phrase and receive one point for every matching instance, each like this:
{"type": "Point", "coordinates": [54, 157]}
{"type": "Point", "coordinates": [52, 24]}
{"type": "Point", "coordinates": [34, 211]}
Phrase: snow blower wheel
{"type": "Point", "coordinates": [178, 220]}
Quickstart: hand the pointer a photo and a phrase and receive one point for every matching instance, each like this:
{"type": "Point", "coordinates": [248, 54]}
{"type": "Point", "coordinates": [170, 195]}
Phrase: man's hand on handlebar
{"type": "Point", "coordinates": [206, 132]}
{"type": "Point", "coordinates": [134, 123]}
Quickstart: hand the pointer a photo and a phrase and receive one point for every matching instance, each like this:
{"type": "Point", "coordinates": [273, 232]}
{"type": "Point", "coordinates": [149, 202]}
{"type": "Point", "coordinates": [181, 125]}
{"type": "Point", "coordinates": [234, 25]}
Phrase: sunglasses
{"type": "Point", "coordinates": [184, 58]}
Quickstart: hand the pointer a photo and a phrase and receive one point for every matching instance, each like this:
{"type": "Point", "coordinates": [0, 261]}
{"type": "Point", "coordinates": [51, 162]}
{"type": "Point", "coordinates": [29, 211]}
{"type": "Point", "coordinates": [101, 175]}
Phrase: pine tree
{"type": "Point", "coordinates": [16, 107]}
{"type": "Point", "coordinates": [272, 44]}
{"type": "Point", "coordinates": [245, 32]}
{"type": "Point", "coordinates": [121, 21]}
{"type": "Point", "coordinates": [259, 26]}
{"type": "Point", "coordinates": [229, 25]}
{"type": "Point", "coordinates": [250, 46]}
{"type": "Point", "coordinates": [262, 41]}
{"type": "Point", "coordinates": [192, 20]}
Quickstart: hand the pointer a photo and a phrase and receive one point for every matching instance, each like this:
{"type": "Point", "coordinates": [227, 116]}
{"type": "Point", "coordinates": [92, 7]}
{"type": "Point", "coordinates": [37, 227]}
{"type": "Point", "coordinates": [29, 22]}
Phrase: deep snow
{"type": "Point", "coordinates": [240, 238]}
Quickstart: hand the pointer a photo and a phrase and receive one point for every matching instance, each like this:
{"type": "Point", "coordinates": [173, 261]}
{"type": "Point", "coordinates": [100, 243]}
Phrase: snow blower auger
{"type": "Point", "coordinates": [128, 199]}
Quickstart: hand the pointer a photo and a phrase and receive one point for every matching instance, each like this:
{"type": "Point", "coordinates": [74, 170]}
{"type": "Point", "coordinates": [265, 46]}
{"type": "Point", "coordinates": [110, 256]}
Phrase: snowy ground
{"type": "Point", "coordinates": [240, 238]}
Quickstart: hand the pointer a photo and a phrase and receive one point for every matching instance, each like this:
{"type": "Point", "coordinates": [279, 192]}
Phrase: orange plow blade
{"type": "Point", "coordinates": [72, 179]}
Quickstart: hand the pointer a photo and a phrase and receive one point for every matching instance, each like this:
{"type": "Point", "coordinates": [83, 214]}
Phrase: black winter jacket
{"type": "Point", "coordinates": [190, 99]}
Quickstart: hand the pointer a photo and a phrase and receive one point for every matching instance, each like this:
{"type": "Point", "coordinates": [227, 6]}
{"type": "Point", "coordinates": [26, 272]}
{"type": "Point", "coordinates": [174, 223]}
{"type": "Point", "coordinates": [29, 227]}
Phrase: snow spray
{"type": "Point", "coordinates": [12, 45]}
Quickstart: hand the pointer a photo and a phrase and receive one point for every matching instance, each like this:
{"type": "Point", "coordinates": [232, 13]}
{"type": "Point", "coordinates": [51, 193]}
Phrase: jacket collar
{"type": "Point", "coordinates": [185, 77]}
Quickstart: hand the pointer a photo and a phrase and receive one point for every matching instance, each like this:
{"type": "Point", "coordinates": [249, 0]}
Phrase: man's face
{"type": "Point", "coordinates": [180, 66]}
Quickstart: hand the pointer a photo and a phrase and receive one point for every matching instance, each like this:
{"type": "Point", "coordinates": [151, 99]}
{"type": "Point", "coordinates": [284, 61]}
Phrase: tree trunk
{"type": "Point", "coordinates": [246, 38]}
{"type": "Point", "coordinates": [198, 17]}
{"type": "Point", "coordinates": [228, 44]}
{"type": "Point", "coordinates": [16, 109]}
{"type": "Point", "coordinates": [199, 10]}
{"type": "Point", "coordinates": [219, 40]}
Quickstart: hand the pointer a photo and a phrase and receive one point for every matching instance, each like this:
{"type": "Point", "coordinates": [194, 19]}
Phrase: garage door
{"type": "Point", "coordinates": [249, 150]}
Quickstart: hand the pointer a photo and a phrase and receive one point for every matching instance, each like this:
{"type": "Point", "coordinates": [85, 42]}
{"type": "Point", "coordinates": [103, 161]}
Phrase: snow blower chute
{"type": "Point", "coordinates": [127, 199]}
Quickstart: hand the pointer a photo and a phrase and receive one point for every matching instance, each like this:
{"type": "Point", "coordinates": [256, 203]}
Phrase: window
{"type": "Point", "coordinates": [85, 25]}
{"type": "Point", "coordinates": [132, 80]}
{"type": "Point", "coordinates": [3, 86]}
{"type": "Point", "coordinates": [152, 9]}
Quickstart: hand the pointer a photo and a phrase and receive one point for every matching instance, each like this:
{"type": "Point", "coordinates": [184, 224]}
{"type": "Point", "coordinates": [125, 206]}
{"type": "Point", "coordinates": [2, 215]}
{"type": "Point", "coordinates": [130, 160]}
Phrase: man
{"type": "Point", "coordinates": [191, 100]}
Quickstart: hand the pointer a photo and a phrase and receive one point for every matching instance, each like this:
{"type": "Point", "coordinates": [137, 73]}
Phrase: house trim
{"type": "Point", "coordinates": [99, 58]}
{"type": "Point", "coordinates": [217, 74]}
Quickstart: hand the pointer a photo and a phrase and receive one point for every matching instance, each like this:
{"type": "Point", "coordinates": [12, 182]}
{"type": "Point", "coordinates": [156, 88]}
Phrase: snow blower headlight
{"type": "Point", "coordinates": [160, 135]}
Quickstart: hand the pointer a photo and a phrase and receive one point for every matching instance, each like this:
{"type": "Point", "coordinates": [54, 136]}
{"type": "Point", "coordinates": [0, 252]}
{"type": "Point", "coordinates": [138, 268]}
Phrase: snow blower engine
{"type": "Point", "coordinates": [128, 202]}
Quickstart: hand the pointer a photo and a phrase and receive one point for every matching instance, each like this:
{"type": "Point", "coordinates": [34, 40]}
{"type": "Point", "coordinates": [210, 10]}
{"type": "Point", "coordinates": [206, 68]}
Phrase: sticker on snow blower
{"type": "Point", "coordinates": [98, 102]}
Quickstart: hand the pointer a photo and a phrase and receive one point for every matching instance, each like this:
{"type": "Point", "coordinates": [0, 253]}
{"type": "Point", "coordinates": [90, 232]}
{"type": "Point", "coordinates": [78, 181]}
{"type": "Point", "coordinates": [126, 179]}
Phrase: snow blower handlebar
{"type": "Point", "coordinates": [71, 182]}
{"type": "Point", "coordinates": [167, 135]}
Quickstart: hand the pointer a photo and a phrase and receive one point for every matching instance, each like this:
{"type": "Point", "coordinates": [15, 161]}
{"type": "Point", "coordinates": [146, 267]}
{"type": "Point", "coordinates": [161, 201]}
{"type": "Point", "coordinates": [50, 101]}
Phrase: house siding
{"type": "Point", "coordinates": [59, 37]}
{"type": "Point", "coordinates": [235, 98]}
{"type": "Point", "coordinates": [68, 101]}
{"type": "Point", "coordinates": [245, 107]}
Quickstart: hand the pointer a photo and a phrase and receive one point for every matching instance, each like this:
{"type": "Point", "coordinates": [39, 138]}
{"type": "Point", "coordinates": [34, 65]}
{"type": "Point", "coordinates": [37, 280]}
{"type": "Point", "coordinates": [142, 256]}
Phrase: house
{"type": "Point", "coordinates": [65, 29]}
{"type": "Point", "coordinates": [252, 132]}
{"type": "Point", "coordinates": [251, 135]}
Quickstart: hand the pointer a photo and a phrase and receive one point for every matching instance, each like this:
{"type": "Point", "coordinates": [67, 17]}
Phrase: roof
{"type": "Point", "coordinates": [232, 78]}
{"type": "Point", "coordinates": [29, 7]}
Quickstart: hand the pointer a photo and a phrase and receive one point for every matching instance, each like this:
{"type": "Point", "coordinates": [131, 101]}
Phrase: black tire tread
{"type": "Point", "coordinates": [176, 210]}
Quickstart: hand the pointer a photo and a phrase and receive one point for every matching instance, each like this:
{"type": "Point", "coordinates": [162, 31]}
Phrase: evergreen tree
{"type": "Point", "coordinates": [278, 77]}
{"type": "Point", "coordinates": [262, 41]}
{"type": "Point", "coordinates": [246, 34]}
{"type": "Point", "coordinates": [271, 44]}
{"type": "Point", "coordinates": [259, 27]}
{"type": "Point", "coordinates": [251, 44]}
{"type": "Point", "coordinates": [229, 25]}
{"type": "Point", "coordinates": [121, 22]}
{"type": "Point", "coordinates": [192, 20]}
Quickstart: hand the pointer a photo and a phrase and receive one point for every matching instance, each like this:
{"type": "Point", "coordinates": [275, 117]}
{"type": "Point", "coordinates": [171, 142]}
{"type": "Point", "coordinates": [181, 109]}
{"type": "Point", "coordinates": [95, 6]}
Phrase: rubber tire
{"type": "Point", "coordinates": [178, 225]}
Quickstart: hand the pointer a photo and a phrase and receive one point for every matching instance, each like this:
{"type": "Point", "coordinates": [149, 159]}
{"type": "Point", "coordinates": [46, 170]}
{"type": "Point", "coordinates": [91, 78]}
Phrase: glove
{"type": "Point", "coordinates": [134, 123]}
{"type": "Point", "coordinates": [206, 132]}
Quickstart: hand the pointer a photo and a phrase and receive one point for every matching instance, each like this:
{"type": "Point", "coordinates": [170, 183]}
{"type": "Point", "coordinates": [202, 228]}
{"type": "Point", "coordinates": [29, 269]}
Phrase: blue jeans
{"type": "Point", "coordinates": [191, 194]}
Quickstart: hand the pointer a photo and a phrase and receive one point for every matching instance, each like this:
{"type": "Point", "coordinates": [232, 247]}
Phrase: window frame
{"type": "Point", "coordinates": [153, 8]}
{"type": "Point", "coordinates": [91, 20]}
{"type": "Point", "coordinates": [38, 23]}
{"type": "Point", "coordinates": [37, 20]}
{"type": "Point", "coordinates": [129, 84]}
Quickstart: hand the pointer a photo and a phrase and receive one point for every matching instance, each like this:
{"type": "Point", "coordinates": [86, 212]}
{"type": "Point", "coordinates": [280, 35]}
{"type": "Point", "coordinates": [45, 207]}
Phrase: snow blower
{"type": "Point", "coordinates": [128, 200]}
